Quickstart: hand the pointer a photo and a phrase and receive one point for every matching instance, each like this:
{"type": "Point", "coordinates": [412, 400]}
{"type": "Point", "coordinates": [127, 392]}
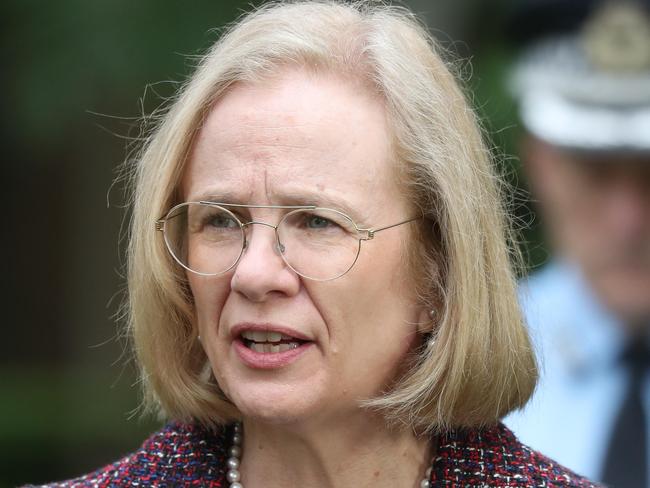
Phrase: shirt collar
{"type": "Point", "coordinates": [583, 334]}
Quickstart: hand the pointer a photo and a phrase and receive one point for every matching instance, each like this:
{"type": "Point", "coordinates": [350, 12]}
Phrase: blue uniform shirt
{"type": "Point", "coordinates": [582, 383]}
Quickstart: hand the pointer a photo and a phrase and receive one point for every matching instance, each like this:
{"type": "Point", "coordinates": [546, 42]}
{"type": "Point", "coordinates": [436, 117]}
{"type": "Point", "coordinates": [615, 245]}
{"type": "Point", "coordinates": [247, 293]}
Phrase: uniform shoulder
{"type": "Point", "coordinates": [494, 457]}
{"type": "Point", "coordinates": [178, 454]}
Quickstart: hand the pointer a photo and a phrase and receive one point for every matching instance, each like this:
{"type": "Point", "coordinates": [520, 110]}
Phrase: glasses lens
{"type": "Point", "coordinates": [204, 238]}
{"type": "Point", "coordinates": [320, 244]}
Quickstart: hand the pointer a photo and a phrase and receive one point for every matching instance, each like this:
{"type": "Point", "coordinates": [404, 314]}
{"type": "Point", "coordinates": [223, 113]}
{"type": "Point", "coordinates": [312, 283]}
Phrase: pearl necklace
{"type": "Point", "coordinates": [234, 476]}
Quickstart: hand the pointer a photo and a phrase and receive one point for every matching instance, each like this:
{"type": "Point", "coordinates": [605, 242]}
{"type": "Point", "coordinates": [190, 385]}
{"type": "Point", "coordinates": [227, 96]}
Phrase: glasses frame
{"type": "Point", "coordinates": [364, 234]}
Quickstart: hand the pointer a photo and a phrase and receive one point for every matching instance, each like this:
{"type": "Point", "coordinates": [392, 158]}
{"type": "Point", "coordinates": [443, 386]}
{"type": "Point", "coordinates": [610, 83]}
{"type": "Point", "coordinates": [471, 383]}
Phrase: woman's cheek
{"type": "Point", "coordinates": [210, 296]}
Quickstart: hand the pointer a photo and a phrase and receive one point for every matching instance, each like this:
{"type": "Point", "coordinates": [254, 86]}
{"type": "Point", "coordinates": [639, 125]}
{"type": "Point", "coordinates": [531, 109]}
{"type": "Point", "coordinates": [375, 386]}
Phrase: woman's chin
{"type": "Point", "coordinates": [277, 413]}
{"type": "Point", "coordinates": [278, 403]}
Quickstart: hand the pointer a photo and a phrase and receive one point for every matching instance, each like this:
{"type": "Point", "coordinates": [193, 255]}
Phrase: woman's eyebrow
{"type": "Point", "coordinates": [324, 200]}
{"type": "Point", "coordinates": [291, 198]}
{"type": "Point", "coordinates": [221, 197]}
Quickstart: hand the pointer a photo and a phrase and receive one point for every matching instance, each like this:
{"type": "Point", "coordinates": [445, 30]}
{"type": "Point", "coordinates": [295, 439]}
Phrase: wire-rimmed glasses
{"type": "Point", "coordinates": [209, 238]}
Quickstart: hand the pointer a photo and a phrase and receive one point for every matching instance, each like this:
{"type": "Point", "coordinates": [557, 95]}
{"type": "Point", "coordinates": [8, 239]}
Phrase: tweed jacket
{"type": "Point", "coordinates": [182, 455]}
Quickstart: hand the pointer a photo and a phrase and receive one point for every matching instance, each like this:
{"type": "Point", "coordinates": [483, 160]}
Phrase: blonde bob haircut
{"type": "Point", "coordinates": [475, 364]}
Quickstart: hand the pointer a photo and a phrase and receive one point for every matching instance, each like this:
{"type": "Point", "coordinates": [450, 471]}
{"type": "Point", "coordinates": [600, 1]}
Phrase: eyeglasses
{"type": "Point", "coordinates": [209, 238]}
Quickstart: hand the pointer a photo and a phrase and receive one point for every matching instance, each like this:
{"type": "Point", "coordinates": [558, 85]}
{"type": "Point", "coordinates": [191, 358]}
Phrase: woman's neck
{"type": "Point", "coordinates": [361, 453]}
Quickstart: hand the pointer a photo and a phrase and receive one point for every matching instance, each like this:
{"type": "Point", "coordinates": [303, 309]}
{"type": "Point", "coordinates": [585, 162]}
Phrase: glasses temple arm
{"type": "Point", "coordinates": [371, 232]}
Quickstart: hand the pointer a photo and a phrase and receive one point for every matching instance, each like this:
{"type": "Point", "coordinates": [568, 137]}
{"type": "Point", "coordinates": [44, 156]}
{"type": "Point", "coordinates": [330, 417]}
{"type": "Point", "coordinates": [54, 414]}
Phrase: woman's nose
{"type": "Point", "coordinates": [261, 272]}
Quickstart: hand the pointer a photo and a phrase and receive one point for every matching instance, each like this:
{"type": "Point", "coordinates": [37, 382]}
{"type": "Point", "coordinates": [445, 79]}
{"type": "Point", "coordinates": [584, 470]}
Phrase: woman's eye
{"type": "Point", "coordinates": [222, 222]}
{"type": "Point", "coordinates": [317, 222]}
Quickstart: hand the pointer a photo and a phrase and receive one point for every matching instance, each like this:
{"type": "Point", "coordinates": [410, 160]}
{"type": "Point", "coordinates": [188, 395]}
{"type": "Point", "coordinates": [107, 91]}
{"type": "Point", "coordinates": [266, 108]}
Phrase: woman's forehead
{"type": "Point", "coordinates": [298, 130]}
{"type": "Point", "coordinates": [300, 109]}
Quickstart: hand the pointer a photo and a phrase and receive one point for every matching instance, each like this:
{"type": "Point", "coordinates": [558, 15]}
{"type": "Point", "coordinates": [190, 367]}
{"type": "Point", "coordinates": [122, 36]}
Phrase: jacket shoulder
{"type": "Point", "coordinates": [494, 457]}
{"type": "Point", "coordinates": [179, 454]}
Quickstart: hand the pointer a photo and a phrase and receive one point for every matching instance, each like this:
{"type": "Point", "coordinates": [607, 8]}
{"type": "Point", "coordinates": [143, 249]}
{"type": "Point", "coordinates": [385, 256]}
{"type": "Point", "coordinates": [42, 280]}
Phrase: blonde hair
{"type": "Point", "coordinates": [480, 365]}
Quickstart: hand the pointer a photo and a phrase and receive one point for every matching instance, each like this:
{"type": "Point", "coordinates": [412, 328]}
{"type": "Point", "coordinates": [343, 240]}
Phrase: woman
{"type": "Point", "coordinates": [326, 299]}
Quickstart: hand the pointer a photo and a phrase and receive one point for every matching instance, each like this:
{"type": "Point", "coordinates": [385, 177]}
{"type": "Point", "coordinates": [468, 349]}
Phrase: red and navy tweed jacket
{"type": "Point", "coordinates": [182, 455]}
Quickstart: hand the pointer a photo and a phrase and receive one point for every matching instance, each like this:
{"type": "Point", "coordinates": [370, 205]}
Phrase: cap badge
{"type": "Point", "coordinates": [617, 37]}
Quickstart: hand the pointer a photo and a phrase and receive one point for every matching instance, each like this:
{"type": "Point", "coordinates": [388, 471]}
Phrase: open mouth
{"type": "Point", "coordinates": [269, 342]}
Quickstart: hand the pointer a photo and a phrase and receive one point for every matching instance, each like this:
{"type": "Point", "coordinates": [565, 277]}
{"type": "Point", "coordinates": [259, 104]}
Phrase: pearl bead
{"type": "Point", "coordinates": [425, 484]}
{"type": "Point", "coordinates": [233, 475]}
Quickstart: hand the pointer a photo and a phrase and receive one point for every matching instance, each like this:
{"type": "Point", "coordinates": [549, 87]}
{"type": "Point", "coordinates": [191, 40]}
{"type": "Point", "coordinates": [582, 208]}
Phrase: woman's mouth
{"type": "Point", "coordinates": [269, 342]}
{"type": "Point", "coordinates": [269, 347]}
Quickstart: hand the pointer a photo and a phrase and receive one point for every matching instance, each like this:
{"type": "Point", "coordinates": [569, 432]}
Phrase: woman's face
{"type": "Point", "coordinates": [303, 139]}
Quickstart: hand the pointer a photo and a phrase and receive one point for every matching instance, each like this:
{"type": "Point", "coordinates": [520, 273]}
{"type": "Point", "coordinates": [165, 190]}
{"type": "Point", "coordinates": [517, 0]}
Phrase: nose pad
{"type": "Point", "coordinates": [280, 247]}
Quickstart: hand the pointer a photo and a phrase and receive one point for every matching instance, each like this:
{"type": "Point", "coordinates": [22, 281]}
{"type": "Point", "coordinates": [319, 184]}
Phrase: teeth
{"type": "Point", "coordinates": [266, 348]}
{"type": "Point", "coordinates": [269, 342]}
{"type": "Point", "coordinates": [263, 336]}
{"type": "Point", "coordinates": [273, 337]}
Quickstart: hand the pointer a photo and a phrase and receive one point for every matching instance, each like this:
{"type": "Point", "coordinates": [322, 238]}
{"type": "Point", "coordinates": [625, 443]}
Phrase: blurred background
{"type": "Point", "coordinates": [77, 77]}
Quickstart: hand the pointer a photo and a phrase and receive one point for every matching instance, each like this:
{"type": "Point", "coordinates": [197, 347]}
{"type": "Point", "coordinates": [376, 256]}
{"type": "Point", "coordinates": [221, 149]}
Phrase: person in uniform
{"type": "Point", "coordinates": [583, 89]}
